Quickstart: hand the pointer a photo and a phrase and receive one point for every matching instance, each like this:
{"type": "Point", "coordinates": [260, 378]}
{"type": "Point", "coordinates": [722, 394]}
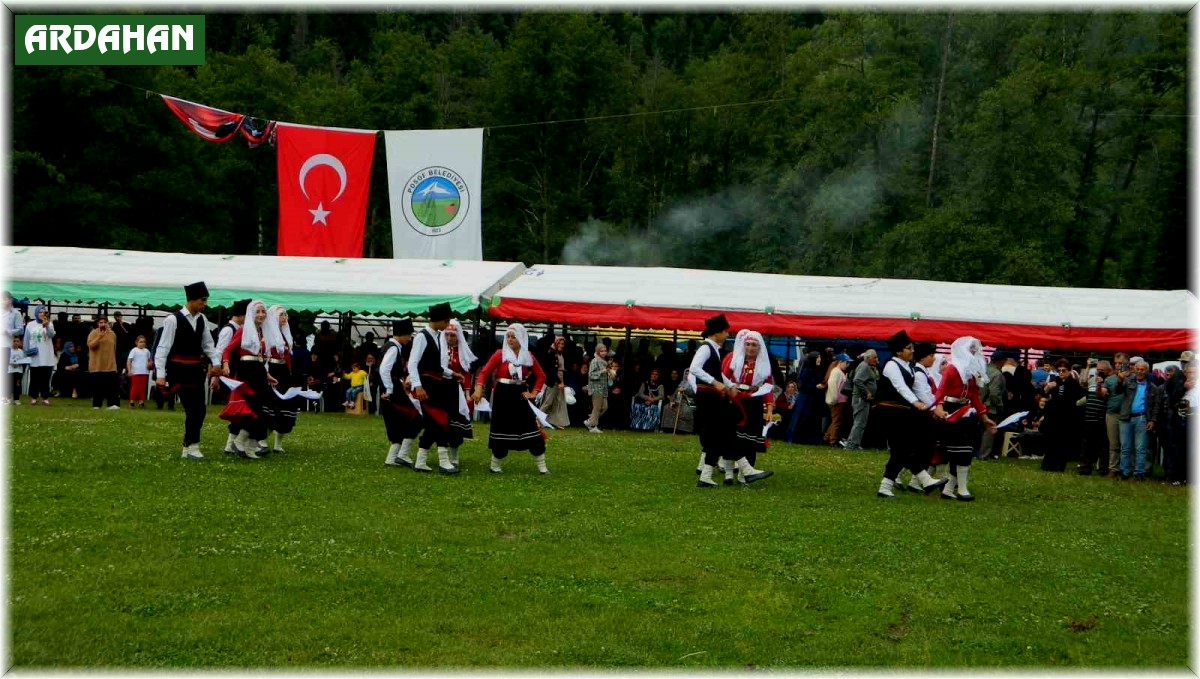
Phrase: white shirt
{"type": "Point", "coordinates": [922, 384]}
{"type": "Point", "coordinates": [895, 374]}
{"type": "Point", "coordinates": [14, 325]}
{"type": "Point", "coordinates": [43, 339]}
{"type": "Point", "coordinates": [385, 368]}
{"type": "Point", "coordinates": [419, 342]}
{"type": "Point", "coordinates": [709, 348]}
{"type": "Point", "coordinates": [17, 360]}
{"type": "Point", "coordinates": [167, 338]}
{"type": "Point", "coordinates": [139, 361]}
{"type": "Point", "coordinates": [225, 336]}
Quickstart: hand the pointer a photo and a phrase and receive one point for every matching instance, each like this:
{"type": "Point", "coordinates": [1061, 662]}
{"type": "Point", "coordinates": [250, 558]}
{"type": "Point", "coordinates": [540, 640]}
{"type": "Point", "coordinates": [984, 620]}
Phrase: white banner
{"type": "Point", "coordinates": [435, 187]}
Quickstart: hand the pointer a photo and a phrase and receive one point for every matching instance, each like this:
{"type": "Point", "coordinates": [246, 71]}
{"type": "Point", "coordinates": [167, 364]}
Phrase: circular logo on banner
{"type": "Point", "coordinates": [436, 201]}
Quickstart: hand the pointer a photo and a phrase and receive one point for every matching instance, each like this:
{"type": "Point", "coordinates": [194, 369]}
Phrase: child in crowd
{"type": "Point", "coordinates": [17, 360]}
{"type": "Point", "coordinates": [357, 377]}
{"type": "Point", "coordinates": [138, 367]}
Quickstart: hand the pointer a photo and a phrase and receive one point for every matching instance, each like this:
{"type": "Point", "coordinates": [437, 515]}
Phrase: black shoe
{"type": "Point", "coordinates": [1139, 477]}
{"type": "Point", "coordinates": [422, 471]}
{"type": "Point", "coordinates": [703, 484]}
{"type": "Point", "coordinates": [757, 477]}
{"type": "Point", "coordinates": [728, 481]}
{"type": "Point", "coordinates": [448, 472]}
{"type": "Point", "coordinates": [936, 485]}
{"type": "Point", "coordinates": [965, 498]}
{"type": "Point", "coordinates": [947, 497]}
{"type": "Point", "coordinates": [1125, 477]}
{"type": "Point", "coordinates": [697, 472]}
{"type": "Point", "coordinates": [545, 473]}
{"type": "Point", "coordinates": [405, 463]}
{"type": "Point", "coordinates": [882, 496]}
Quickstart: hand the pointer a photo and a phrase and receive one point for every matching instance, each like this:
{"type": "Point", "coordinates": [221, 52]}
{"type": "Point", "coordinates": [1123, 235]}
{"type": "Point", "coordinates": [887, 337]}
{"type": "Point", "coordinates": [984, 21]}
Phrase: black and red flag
{"type": "Point", "coordinates": [216, 125]}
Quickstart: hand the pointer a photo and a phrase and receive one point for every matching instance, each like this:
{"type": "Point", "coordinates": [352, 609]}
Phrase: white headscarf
{"type": "Point", "coordinates": [935, 370]}
{"type": "Point", "coordinates": [465, 356]}
{"type": "Point", "coordinates": [273, 335]}
{"type": "Point", "coordinates": [762, 366]}
{"type": "Point", "coordinates": [523, 338]}
{"type": "Point", "coordinates": [969, 364]}
{"type": "Point", "coordinates": [250, 341]}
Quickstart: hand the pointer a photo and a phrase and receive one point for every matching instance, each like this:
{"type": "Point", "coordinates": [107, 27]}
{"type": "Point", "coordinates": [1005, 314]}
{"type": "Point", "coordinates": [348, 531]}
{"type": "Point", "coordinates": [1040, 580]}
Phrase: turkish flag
{"type": "Point", "coordinates": [324, 177]}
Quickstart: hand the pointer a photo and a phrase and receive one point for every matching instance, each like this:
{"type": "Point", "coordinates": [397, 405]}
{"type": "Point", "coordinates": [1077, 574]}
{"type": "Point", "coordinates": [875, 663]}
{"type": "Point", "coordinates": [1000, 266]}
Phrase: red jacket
{"type": "Point", "coordinates": [497, 366]}
{"type": "Point", "coordinates": [952, 386]}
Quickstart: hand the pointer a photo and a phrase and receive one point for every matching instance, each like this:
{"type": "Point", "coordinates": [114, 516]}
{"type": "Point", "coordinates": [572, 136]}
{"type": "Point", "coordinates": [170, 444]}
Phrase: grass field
{"type": "Point", "coordinates": [123, 555]}
{"type": "Point", "coordinates": [435, 211]}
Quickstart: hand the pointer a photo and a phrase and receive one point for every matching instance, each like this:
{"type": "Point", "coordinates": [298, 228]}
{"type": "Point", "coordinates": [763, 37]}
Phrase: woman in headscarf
{"type": "Point", "coordinates": [956, 397]}
{"type": "Point", "coordinates": [39, 346]}
{"type": "Point", "coordinates": [245, 359]}
{"type": "Point", "coordinates": [514, 424]}
{"type": "Point", "coordinates": [459, 359]}
{"type": "Point", "coordinates": [749, 368]}
{"type": "Point", "coordinates": [806, 414]}
{"type": "Point", "coordinates": [66, 378]}
{"type": "Point", "coordinates": [281, 414]}
{"type": "Point", "coordinates": [647, 406]}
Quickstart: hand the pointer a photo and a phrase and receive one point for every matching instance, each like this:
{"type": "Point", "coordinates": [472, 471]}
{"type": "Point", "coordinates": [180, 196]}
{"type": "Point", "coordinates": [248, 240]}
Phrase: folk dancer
{"type": "Point", "coordinates": [716, 416]}
{"type": "Point", "coordinates": [749, 368]}
{"type": "Point", "coordinates": [434, 387]}
{"type": "Point", "coordinates": [401, 414]}
{"type": "Point", "coordinates": [182, 346]}
{"type": "Point", "coordinates": [957, 395]}
{"type": "Point", "coordinates": [458, 359]}
{"type": "Point", "coordinates": [901, 411]}
{"type": "Point", "coordinates": [246, 360]}
{"type": "Point", "coordinates": [514, 424]}
{"type": "Point", "coordinates": [237, 316]}
{"type": "Point", "coordinates": [281, 413]}
{"type": "Point", "coordinates": [924, 386]}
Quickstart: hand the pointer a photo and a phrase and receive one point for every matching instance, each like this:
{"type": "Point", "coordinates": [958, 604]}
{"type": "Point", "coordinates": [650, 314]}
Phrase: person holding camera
{"type": "Point", "coordinates": [39, 348]}
{"type": "Point", "coordinates": [1095, 430]}
{"type": "Point", "coordinates": [1060, 423]}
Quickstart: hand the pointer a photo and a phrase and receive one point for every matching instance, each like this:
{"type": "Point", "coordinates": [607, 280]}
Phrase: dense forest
{"type": "Point", "coordinates": [1038, 149]}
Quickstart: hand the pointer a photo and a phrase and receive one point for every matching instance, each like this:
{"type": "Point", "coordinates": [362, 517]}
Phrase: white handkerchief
{"type": "Point", "coordinates": [287, 394]}
{"type": "Point", "coordinates": [768, 426]}
{"type": "Point", "coordinates": [483, 406]}
{"type": "Point", "coordinates": [540, 416]}
{"type": "Point", "coordinates": [762, 391]}
{"type": "Point", "coordinates": [231, 383]}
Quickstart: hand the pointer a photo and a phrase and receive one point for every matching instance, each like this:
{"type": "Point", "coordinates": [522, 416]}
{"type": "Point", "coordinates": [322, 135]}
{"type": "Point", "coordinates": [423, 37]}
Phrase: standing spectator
{"type": "Point", "coordinates": [1180, 414]}
{"type": "Point", "coordinates": [1095, 431]}
{"type": "Point", "coordinates": [66, 377]}
{"type": "Point", "coordinates": [12, 323]}
{"type": "Point", "coordinates": [39, 347]}
{"type": "Point", "coordinates": [374, 382]}
{"type": "Point", "coordinates": [1140, 409]}
{"type": "Point", "coordinates": [102, 365]}
{"type": "Point", "coordinates": [865, 379]}
{"type": "Point", "coordinates": [367, 348]}
{"type": "Point", "coordinates": [1043, 373]}
{"type": "Point", "coordinates": [599, 377]}
{"type": "Point", "coordinates": [554, 399]}
{"type": "Point", "coordinates": [16, 369]}
{"type": "Point", "coordinates": [834, 398]}
{"type": "Point", "coordinates": [806, 414]}
{"type": "Point", "coordinates": [138, 366]}
{"type": "Point", "coordinates": [992, 394]}
{"type": "Point", "coordinates": [1060, 422]}
{"type": "Point", "coordinates": [1112, 420]}
{"type": "Point", "coordinates": [125, 338]}
{"type": "Point", "coordinates": [617, 415]}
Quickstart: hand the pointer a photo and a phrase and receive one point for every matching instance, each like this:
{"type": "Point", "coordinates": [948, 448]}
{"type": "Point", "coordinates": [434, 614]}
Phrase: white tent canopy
{"type": "Point", "coordinates": [858, 308]}
{"type": "Point", "coordinates": [301, 283]}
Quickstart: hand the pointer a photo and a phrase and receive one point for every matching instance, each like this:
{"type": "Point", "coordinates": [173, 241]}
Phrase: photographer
{"type": "Point", "coordinates": [1061, 419]}
{"type": "Point", "coordinates": [1095, 430]}
{"type": "Point", "coordinates": [102, 365]}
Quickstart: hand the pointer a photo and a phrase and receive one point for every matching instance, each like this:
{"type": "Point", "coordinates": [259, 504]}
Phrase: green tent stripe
{"type": "Point", "coordinates": [298, 301]}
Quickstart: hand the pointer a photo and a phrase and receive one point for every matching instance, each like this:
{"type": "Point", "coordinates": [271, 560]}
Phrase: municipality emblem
{"type": "Point", "coordinates": [436, 201]}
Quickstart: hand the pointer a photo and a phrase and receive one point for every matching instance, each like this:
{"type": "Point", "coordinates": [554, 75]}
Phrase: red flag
{"type": "Point", "coordinates": [324, 177]}
{"type": "Point", "coordinates": [206, 122]}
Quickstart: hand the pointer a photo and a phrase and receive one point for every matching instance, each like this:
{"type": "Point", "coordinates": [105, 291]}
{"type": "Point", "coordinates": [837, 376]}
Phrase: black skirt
{"type": "Point", "coordinates": [460, 425]}
{"type": "Point", "coordinates": [281, 414]}
{"type": "Point", "coordinates": [749, 432]}
{"type": "Point", "coordinates": [400, 417]}
{"type": "Point", "coordinates": [716, 420]}
{"type": "Point", "coordinates": [514, 426]}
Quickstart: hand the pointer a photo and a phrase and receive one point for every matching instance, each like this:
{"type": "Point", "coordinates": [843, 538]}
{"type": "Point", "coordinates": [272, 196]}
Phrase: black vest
{"type": "Point", "coordinates": [713, 365]}
{"type": "Point", "coordinates": [431, 359]}
{"type": "Point", "coordinates": [887, 391]}
{"type": "Point", "coordinates": [400, 367]}
{"type": "Point", "coordinates": [187, 340]}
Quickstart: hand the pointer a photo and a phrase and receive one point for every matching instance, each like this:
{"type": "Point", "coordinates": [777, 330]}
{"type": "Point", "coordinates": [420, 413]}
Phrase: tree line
{"type": "Point", "coordinates": [992, 147]}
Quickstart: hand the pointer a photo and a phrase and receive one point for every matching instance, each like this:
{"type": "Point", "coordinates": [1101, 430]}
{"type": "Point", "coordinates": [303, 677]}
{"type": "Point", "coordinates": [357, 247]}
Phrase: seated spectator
{"type": "Point", "coordinates": [672, 382]}
{"type": "Point", "coordinates": [647, 406]}
{"type": "Point", "coordinates": [358, 381]}
{"type": "Point", "coordinates": [70, 368]}
{"type": "Point", "coordinates": [783, 408]}
{"type": "Point", "coordinates": [679, 411]}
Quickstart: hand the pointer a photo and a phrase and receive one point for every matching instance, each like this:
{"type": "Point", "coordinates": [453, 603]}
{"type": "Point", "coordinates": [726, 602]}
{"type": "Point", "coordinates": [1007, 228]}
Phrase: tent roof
{"type": "Point", "coordinates": [300, 283]}
{"type": "Point", "coordinates": [861, 308]}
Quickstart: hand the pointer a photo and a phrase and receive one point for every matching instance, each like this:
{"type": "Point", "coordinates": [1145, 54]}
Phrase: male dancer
{"type": "Point", "coordinates": [184, 343]}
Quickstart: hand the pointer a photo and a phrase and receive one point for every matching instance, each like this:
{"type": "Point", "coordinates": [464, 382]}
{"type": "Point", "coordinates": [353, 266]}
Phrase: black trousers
{"type": "Point", "coordinates": [105, 386]}
{"type": "Point", "coordinates": [716, 423]}
{"type": "Point", "coordinates": [192, 400]}
{"type": "Point", "coordinates": [39, 382]}
{"type": "Point", "coordinates": [16, 385]}
{"type": "Point", "coordinates": [1095, 447]}
{"type": "Point", "coordinates": [907, 437]}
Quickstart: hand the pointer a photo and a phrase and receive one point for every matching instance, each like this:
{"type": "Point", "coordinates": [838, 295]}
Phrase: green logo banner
{"type": "Point", "coordinates": [108, 39]}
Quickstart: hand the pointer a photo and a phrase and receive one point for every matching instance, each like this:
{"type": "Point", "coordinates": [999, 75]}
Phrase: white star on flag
{"type": "Point", "coordinates": [320, 214]}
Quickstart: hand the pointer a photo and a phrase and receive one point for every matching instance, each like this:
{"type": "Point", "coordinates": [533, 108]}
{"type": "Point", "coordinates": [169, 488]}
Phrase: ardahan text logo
{"type": "Point", "coordinates": [100, 40]}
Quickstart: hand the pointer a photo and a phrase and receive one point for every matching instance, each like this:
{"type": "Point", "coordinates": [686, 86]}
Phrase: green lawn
{"type": "Point", "coordinates": [123, 555]}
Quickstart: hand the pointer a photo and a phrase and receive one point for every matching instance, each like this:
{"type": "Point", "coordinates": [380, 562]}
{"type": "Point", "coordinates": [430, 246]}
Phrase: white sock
{"type": "Point", "coordinates": [278, 441]}
{"type": "Point", "coordinates": [229, 441]}
{"type": "Point", "coordinates": [963, 472]}
{"type": "Point", "coordinates": [730, 470]}
{"type": "Point", "coordinates": [541, 463]}
{"type": "Point", "coordinates": [422, 458]}
{"type": "Point", "coordinates": [263, 443]}
{"type": "Point", "coordinates": [924, 478]}
{"type": "Point", "coordinates": [392, 451]}
{"type": "Point", "coordinates": [404, 448]}
{"type": "Point", "coordinates": [242, 440]}
{"type": "Point", "coordinates": [951, 484]}
{"type": "Point", "coordinates": [706, 473]}
{"type": "Point", "coordinates": [496, 464]}
{"type": "Point", "coordinates": [885, 487]}
{"type": "Point", "coordinates": [743, 465]}
{"type": "Point", "coordinates": [700, 464]}
{"type": "Point", "coordinates": [454, 456]}
{"type": "Point", "coordinates": [444, 458]}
